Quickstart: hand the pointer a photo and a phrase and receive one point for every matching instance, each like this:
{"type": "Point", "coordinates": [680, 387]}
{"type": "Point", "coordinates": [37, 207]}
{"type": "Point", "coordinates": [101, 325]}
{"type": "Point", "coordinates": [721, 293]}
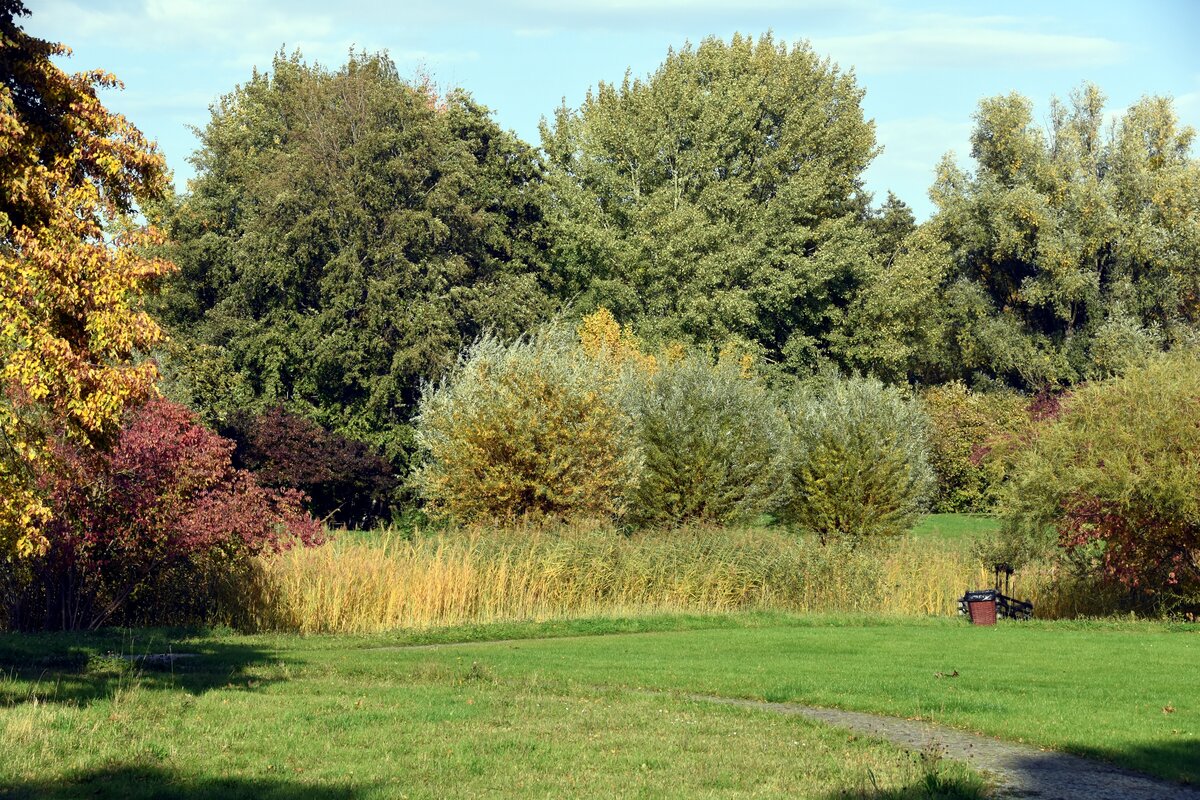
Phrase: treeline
{"type": "Point", "coordinates": [349, 233]}
{"type": "Point", "coordinates": [681, 309]}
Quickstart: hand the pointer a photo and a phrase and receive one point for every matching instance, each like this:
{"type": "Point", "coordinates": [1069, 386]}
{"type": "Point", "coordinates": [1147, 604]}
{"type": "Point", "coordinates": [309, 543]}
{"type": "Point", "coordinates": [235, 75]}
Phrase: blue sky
{"type": "Point", "coordinates": [924, 65]}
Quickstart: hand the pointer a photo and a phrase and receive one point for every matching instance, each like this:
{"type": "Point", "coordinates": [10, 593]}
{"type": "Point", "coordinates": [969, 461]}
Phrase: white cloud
{"type": "Point", "coordinates": [942, 41]}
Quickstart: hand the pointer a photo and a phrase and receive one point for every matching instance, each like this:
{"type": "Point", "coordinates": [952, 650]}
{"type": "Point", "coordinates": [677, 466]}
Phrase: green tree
{"type": "Point", "coordinates": [1073, 249]}
{"type": "Point", "coordinates": [719, 199]}
{"type": "Point", "coordinates": [347, 234]}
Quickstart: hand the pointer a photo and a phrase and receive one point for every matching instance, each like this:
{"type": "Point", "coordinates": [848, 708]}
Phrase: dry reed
{"type": "Point", "coordinates": [388, 581]}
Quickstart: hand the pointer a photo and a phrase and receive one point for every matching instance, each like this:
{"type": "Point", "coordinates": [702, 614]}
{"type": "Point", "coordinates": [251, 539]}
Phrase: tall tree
{"type": "Point", "coordinates": [347, 234]}
{"type": "Point", "coordinates": [1069, 252]}
{"type": "Point", "coordinates": [1080, 245]}
{"type": "Point", "coordinates": [72, 271]}
{"type": "Point", "coordinates": [720, 198]}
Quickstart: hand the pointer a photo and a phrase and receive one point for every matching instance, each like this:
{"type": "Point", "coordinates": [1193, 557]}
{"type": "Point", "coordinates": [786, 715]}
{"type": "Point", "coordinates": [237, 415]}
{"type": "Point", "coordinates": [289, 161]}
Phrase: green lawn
{"type": "Point", "coordinates": [957, 528]}
{"type": "Point", "coordinates": [284, 716]}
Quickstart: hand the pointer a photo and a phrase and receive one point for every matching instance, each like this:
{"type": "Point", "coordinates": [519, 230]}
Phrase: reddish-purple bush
{"type": "Point", "coordinates": [143, 529]}
{"type": "Point", "coordinates": [345, 480]}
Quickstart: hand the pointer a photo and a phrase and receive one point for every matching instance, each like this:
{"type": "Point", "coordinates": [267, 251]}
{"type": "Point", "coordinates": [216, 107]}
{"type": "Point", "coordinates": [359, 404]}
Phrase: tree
{"type": "Point", "coordinates": [720, 198]}
{"type": "Point", "coordinates": [344, 481]}
{"type": "Point", "coordinates": [531, 429]}
{"type": "Point", "coordinates": [1074, 250]}
{"type": "Point", "coordinates": [72, 272]}
{"type": "Point", "coordinates": [858, 466]}
{"type": "Point", "coordinates": [347, 234]}
{"type": "Point", "coordinates": [712, 446]}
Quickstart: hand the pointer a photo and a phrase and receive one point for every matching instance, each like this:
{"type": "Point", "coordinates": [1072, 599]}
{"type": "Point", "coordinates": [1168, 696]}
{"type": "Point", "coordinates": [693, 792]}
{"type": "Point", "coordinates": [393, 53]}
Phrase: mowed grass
{"type": "Point", "coordinates": [956, 528]}
{"type": "Point", "coordinates": [326, 717]}
{"type": "Point", "coordinates": [598, 710]}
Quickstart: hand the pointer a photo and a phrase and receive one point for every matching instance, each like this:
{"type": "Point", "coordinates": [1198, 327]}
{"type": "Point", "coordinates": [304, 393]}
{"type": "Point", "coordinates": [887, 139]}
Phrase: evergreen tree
{"type": "Point", "coordinates": [347, 235]}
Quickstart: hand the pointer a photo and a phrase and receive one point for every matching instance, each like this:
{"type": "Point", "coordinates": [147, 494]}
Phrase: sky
{"type": "Point", "coordinates": [924, 64]}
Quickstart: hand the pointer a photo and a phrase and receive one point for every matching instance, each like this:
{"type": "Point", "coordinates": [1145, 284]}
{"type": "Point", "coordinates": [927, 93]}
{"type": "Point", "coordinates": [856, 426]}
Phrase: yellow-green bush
{"type": "Point", "coordinates": [532, 428]}
{"type": "Point", "coordinates": [1115, 480]}
{"type": "Point", "coordinates": [711, 445]}
{"type": "Point", "coordinates": [964, 426]}
{"type": "Point", "coordinates": [858, 461]}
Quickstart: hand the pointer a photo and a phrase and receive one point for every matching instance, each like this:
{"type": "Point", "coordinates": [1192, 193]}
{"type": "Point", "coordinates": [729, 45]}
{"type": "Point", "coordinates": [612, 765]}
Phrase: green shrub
{"type": "Point", "coordinates": [964, 426]}
{"type": "Point", "coordinates": [1116, 479]}
{"type": "Point", "coordinates": [527, 429]}
{"type": "Point", "coordinates": [858, 461]}
{"type": "Point", "coordinates": [711, 443]}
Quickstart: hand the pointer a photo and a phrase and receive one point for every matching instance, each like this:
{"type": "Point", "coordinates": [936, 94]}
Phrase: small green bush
{"type": "Point", "coordinates": [527, 429]}
{"type": "Point", "coordinates": [1116, 480]}
{"type": "Point", "coordinates": [964, 426]}
{"type": "Point", "coordinates": [711, 443]}
{"type": "Point", "coordinates": [858, 460]}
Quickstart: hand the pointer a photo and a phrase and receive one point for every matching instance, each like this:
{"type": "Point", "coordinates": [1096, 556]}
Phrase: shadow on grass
{"type": "Point", "coordinates": [144, 783]}
{"type": "Point", "coordinates": [81, 668]}
{"type": "Point", "coordinates": [1164, 770]}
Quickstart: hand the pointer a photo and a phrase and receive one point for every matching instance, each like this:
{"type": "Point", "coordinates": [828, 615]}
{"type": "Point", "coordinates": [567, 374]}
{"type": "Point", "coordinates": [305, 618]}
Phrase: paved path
{"type": "Point", "coordinates": [1020, 771]}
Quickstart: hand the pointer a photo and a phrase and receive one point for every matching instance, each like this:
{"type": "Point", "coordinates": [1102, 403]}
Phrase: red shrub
{"type": "Point", "coordinates": [345, 480]}
{"type": "Point", "coordinates": [135, 525]}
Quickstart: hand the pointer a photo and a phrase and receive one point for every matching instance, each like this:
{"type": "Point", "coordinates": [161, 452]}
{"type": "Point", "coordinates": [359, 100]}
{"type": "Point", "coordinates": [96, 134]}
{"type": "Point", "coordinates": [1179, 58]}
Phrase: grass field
{"type": "Point", "coordinates": [595, 710]}
{"type": "Point", "coordinates": [956, 528]}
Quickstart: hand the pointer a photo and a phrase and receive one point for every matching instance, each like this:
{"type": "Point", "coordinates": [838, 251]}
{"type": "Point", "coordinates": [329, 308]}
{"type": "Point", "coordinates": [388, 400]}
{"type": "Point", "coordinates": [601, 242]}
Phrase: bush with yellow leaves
{"type": "Point", "coordinates": [528, 429]}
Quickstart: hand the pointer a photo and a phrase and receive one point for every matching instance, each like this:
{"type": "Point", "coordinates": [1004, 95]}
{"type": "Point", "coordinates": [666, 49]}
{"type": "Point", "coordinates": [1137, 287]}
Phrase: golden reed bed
{"type": "Point", "coordinates": [368, 583]}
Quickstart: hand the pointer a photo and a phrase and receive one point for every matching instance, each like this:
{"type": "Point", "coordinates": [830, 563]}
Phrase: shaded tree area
{"type": "Point", "coordinates": [347, 234]}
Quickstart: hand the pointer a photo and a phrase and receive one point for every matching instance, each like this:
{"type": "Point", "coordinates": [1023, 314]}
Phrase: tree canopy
{"type": "Point", "coordinates": [347, 235]}
{"type": "Point", "coordinates": [718, 199]}
{"type": "Point", "coordinates": [1067, 254]}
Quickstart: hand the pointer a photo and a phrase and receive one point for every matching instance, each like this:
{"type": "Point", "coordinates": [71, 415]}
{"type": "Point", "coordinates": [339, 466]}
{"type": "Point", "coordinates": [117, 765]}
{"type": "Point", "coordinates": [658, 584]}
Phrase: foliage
{"type": "Point", "coordinates": [72, 271]}
{"type": "Point", "coordinates": [711, 443]}
{"type": "Point", "coordinates": [1117, 477]}
{"type": "Point", "coordinates": [720, 198]}
{"type": "Point", "coordinates": [892, 223]}
{"type": "Point", "coordinates": [602, 338]}
{"type": "Point", "coordinates": [964, 426]}
{"type": "Point", "coordinates": [1073, 251]}
{"type": "Point", "coordinates": [139, 526]}
{"type": "Point", "coordinates": [343, 480]}
{"type": "Point", "coordinates": [858, 462]}
{"type": "Point", "coordinates": [897, 328]}
{"type": "Point", "coordinates": [527, 429]}
{"type": "Point", "coordinates": [346, 235]}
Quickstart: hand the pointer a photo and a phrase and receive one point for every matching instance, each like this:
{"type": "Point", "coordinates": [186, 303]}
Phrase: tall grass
{"type": "Point", "coordinates": [482, 575]}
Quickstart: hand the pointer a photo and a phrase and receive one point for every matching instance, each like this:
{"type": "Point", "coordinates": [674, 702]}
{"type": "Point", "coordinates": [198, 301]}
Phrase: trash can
{"type": "Point", "coordinates": [981, 606]}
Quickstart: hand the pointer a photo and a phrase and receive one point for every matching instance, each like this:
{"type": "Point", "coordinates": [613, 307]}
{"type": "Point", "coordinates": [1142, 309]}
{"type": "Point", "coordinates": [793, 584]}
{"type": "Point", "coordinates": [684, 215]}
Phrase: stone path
{"type": "Point", "coordinates": [1020, 771]}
